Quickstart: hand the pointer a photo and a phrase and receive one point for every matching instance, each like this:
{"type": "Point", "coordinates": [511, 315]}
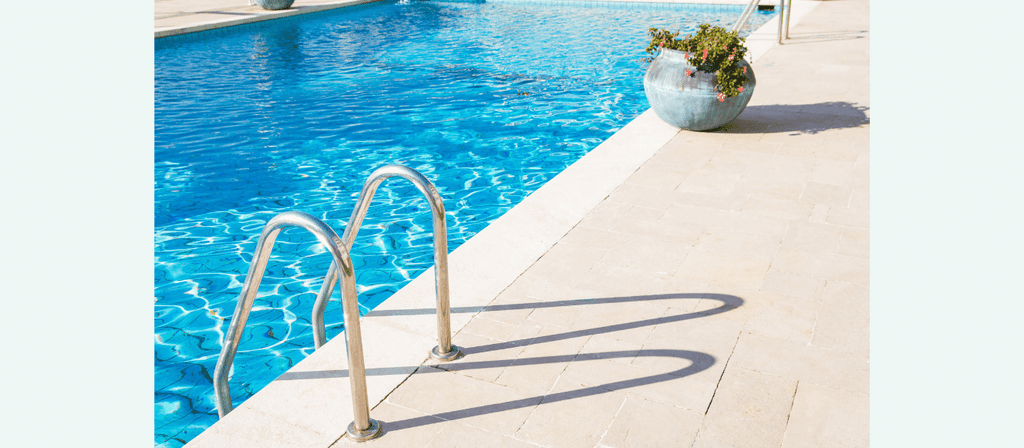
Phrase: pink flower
{"type": "Point", "coordinates": [661, 45]}
{"type": "Point", "coordinates": [705, 53]}
{"type": "Point", "coordinates": [686, 55]}
{"type": "Point", "coordinates": [741, 89]}
{"type": "Point", "coordinates": [731, 56]}
{"type": "Point", "coordinates": [744, 70]}
{"type": "Point", "coordinates": [688, 73]}
{"type": "Point", "coordinates": [721, 97]}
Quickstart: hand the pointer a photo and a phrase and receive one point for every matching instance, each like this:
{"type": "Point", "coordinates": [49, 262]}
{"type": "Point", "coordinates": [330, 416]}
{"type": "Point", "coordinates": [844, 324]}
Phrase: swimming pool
{"type": "Point", "coordinates": [488, 100]}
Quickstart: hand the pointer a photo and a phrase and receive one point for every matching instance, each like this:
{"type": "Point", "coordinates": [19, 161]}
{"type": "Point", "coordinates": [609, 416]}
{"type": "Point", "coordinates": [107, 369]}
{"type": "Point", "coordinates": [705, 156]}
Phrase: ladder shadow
{"type": "Point", "coordinates": [697, 361]}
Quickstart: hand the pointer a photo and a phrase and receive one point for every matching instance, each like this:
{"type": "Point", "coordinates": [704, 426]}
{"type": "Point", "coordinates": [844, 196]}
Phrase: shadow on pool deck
{"type": "Point", "coordinates": [700, 361]}
{"type": "Point", "coordinates": [800, 118]}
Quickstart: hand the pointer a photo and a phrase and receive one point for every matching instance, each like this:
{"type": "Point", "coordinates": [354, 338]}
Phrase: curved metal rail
{"type": "Point", "coordinates": [363, 427]}
{"type": "Point", "coordinates": [444, 351]}
{"type": "Point", "coordinates": [747, 12]}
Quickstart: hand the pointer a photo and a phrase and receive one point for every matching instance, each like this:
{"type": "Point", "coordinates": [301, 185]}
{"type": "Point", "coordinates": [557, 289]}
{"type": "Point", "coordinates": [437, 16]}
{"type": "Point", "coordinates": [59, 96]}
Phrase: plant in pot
{"type": "Point", "coordinates": [699, 82]}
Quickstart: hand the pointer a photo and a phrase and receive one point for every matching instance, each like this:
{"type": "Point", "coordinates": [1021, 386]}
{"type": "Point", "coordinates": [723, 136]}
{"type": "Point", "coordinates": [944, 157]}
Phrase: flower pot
{"type": "Point", "coordinates": [274, 5]}
{"type": "Point", "coordinates": [691, 102]}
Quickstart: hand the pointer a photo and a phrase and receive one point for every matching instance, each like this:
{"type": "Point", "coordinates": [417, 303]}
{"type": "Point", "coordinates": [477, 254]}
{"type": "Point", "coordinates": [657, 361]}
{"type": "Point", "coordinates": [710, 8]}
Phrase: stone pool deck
{"type": "Point", "coordinates": [671, 288]}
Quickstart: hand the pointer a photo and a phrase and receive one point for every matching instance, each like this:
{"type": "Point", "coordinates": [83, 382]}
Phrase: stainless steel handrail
{"type": "Point", "coordinates": [444, 351]}
{"type": "Point", "coordinates": [789, 9]}
{"type": "Point", "coordinates": [747, 12]}
{"type": "Point", "coordinates": [363, 427]}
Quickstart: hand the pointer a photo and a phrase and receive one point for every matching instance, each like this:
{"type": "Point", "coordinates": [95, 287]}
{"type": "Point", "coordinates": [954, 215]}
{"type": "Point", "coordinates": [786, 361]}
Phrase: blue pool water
{"type": "Point", "coordinates": [488, 100]}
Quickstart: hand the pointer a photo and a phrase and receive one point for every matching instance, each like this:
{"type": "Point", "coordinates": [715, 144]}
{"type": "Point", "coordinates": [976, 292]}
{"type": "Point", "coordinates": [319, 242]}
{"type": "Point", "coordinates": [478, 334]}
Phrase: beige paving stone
{"type": "Point", "coordinates": [709, 182]}
{"type": "Point", "coordinates": [680, 160]}
{"type": "Point", "coordinates": [830, 266]}
{"type": "Point", "coordinates": [680, 378]}
{"type": "Point", "coordinates": [649, 223]}
{"type": "Point", "coordinates": [819, 193]}
{"type": "Point", "coordinates": [786, 318]}
{"type": "Point", "coordinates": [746, 273]}
{"type": "Point", "coordinates": [647, 254]}
{"type": "Point", "coordinates": [823, 416]}
{"type": "Point", "coordinates": [649, 176]}
{"type": "Point", "coordinates": [695, 333]}
{"type": "Point", "coordinates": [605, 215]}
{"type": "Point", "coordinates": [618, 283]}
{"type": "Point", "coordinates": [813, 237]}
{"type": "Point", "coordinates": [733, 202]}
{"type": "Point", "coordinates": [738, 244]}
{"type": "Point", "coordinates": [750, 409]}
{"type": "Point", "coordinates": [761, 225]}
{"type": "Point", "coordinates": [782, 168]}
{"type": "Point", "coordinates": [643, 423]}
{"type": "Point", "coordinates": [735, 143]}
{"type": "Point", "coordinates": [453, 435]}
{"type": "Point", "coordinates": [849, 217]}
{"type": "Point", "coordinates": [836, 369]}
{"type": "Point", "coordinates": [597, 239]}
{"type": "Point", "coordinates": [482, 358]}
{"type": "Point", "coordinates": [778, 208]}
{"type": "Point", "coordinates": [832, 172]}
{"type": "Point", "coordinates": [621, 320]}
{"type": "Point", "coordinates": [558, 316]}
{"type": "Point", "coordinates": [602, 346]}
{"type": "Point", "coordinates": [591, 409]}
{"type": "Point", "coordinates": [246, 427]}
{"type": "Point", "coordinates": [740, 304]}
{"type": "Point", "coordinates": [565, 264]}
{"type": "Point", "coordinates": [699, 144]}
{"type": "Point", "coordinates": [726, 167]}
{"type": "Point", "coordinates": [820, 213]}
{"type": "Point", "coordinates": [639, 196]}
{"type": "Point", "coordinates": [400, 427]}
{"type": "Point", "coordinates": [789, 190]}
{"type": "Point", "coordinates": [492, 329]}
{"type": "Point", "coordinates": [860, 200]}
{"type": "Point", "coordinates": [795, 285]}
{"type": "Point", "coordinates": [695, 145]}
{"type": "Point", "coordinates": [842, 153]}
{"type": "Point", "coordinates": [855, 242]}
{"type": "Point", "coordinates": [685, 214]}
{"type": "Point", "coordinates": [540, 364]}
{"type": "Point", "coordinates": [511, 306]}
{"type": "Point", "coordinates": [742, 159]}
{"type": "Point", "coordinates": [480, 404]}
{"type": "Point", "coordinates": [843, 323]}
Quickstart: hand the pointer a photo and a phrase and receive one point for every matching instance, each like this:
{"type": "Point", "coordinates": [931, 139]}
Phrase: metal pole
{"type": "Point", "coordinates": [444, 351]}
{"type": "Point", "coordinates": [782, 15]}
{"type": "Point", "coordinates": [747, 12]}
{"type": "Point", "coordinates": [363, 427]}
{"type": "Point", "coordinates": [789, 9]}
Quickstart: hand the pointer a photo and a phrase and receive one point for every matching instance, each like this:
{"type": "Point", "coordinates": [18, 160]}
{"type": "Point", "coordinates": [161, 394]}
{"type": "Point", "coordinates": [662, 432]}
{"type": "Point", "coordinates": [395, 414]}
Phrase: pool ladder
{"type": "Point", "coordinates": [363, 427]}
{"type": "Point", "coordinates": [784, 11]}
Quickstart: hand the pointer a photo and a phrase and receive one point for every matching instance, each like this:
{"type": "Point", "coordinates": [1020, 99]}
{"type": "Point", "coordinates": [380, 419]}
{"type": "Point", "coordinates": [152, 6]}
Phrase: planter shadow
{"type": "Point", "coordinates": [797, 118]}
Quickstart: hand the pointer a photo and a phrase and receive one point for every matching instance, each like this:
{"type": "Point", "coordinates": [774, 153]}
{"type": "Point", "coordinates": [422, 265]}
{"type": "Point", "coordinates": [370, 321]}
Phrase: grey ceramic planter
{"type": "Point", "coordinates": [691, 102]}
{"type": "Point", "coordinates": [274, 5]}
